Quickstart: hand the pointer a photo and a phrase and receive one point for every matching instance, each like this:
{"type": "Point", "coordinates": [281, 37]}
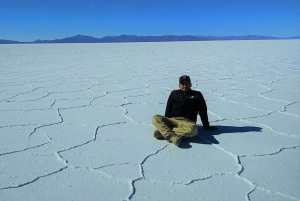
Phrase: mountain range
{"type": "Point", "coordinates": [134, 38]}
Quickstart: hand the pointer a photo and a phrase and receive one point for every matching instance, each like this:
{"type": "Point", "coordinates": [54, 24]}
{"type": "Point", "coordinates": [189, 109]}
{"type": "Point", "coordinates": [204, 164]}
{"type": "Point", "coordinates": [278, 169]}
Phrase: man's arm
{"type": "Point", "coordinates": [169, 106]}
{"type": "Point", "coordinates": [203, 112]}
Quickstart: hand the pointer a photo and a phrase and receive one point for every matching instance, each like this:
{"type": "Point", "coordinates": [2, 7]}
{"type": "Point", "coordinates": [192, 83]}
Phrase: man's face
{"type": "Point", "coordinates": [185, 86]}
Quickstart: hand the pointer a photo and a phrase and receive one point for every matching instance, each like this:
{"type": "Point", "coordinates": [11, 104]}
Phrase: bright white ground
{"type": "Point", "coordinates": [75, 122]}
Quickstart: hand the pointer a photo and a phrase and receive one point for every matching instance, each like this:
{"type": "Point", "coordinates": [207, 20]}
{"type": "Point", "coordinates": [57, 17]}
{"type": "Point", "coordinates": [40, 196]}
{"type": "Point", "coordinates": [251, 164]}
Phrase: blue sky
{"type": "Point", "coordinates": [28, 20]}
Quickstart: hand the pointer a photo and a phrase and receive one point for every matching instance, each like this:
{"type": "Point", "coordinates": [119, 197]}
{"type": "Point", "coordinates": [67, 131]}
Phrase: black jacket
{"type": "Point", "coordinates": [187, 104]}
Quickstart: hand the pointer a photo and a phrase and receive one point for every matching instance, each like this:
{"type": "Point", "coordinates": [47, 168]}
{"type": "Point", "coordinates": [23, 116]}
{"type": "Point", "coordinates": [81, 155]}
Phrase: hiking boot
{"type": "Point", "coordinates": [158, 135]}
{"type": "Point", "coordinates": [175, 139]}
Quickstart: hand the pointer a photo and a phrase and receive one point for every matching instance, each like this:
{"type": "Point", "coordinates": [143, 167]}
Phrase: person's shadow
{"type": "Point", "coordinates": [207, 137]}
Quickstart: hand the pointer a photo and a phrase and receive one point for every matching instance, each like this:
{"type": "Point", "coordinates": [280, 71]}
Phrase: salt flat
{"type": "Point", "coordinates": [75, 121]}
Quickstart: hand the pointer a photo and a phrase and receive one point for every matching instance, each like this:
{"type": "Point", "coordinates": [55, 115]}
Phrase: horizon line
{"type": "Point", "coordinates": [209, 37]}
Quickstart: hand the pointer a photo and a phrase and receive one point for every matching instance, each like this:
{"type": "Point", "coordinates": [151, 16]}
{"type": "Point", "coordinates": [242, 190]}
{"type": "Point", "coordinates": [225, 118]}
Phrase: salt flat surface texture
{"type": "Point", "coordinates": [75, 121]}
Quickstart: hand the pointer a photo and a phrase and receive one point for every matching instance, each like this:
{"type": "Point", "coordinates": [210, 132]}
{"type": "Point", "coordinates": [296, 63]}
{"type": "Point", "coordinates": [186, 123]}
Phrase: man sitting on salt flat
{"type": "Point", "coordinates": [180, 118]}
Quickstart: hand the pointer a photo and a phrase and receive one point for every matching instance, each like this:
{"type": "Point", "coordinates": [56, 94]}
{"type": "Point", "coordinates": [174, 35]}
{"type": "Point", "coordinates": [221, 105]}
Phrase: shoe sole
{"type": "Point", "coordinates": [158, 136]}
{"type": "Point", "coordinates": [177, 143]}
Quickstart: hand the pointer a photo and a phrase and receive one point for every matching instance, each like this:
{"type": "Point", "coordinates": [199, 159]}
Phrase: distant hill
{"type": "Point", "coordinates": [134, 38]}
{"type": "Point", "coordinates": [121, 39]}
{"type": "Point", "coordinates": [248, 37]}
{"type": "Point", "coordinates": [73, 39]}
{"type": "Point", "coordinates": [294, 37]}
{"type": "Point", "coordinates": [9, 42]}
{"type": "Point", "coordinates": [165, 38]}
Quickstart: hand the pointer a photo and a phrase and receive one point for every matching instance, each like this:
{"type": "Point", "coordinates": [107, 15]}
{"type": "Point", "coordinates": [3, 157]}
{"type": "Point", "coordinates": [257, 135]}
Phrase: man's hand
{"type": "Point", "coordinates": [211, 128]}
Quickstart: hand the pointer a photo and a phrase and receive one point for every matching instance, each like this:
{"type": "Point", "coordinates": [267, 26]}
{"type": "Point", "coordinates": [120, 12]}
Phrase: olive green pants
{"type": "Point", "coordinates": [177, 125]}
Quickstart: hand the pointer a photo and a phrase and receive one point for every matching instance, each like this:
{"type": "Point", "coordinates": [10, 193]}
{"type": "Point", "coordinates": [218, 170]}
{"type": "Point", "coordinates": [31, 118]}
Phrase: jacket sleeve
{"type": "Point", "coordinates": [203, 112]}
{"type": "Point", "coordinates": [169, 106]}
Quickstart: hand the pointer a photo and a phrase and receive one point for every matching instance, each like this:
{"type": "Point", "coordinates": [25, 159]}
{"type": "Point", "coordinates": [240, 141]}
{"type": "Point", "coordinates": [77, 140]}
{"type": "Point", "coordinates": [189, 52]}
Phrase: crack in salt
{"type": "Point", "coordinates": [142, 172]}
{"type": "Point", "coordinates": [28, 148]}
{"type": "Point", "coordinates": [94, 139]}
{"type": "Point", "coordinates": [35, 129]}
{"type": "Point", "coordinates": [34, 180]}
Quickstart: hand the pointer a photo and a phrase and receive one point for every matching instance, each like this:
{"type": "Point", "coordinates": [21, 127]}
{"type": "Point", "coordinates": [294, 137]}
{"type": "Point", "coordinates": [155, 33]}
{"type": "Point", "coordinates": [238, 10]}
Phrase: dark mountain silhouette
{"type": "Point", "coordinates": [9, 42]}
{"type": "Point", "coordinates": [134, 38]}
{"type": "Point", "coordinates": [294, 37]}
{"type": "Point", "coordinates": [121, 39]}
{"type": "Point", "coordinates": [73, 39]}
{"type": "Point", "coordinates": [248, 37]}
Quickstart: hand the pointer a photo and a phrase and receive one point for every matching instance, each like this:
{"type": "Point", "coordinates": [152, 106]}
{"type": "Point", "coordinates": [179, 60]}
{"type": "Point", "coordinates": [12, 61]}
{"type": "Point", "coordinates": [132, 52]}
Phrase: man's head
{"type": "Point", "coordinates": [185, 83]}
